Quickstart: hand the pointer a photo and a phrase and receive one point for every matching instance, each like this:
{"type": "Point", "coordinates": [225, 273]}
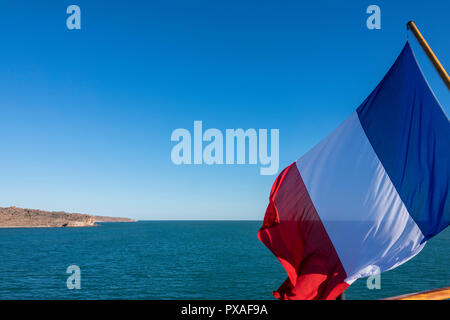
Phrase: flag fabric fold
{"type": "Point", "coordinates": [367, 197]}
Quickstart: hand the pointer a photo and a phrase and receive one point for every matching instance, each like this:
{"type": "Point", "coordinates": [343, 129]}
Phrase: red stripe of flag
{"type": "Point", "coordinates": [294, 233]}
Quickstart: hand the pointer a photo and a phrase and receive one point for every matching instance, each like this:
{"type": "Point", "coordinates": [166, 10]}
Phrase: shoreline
{"type": "Point", "coordinates": [96, 224]}
{"type": "Point", "coordinates": [39, 227]}
{"type": "Point", "coordinates": [14, 218]}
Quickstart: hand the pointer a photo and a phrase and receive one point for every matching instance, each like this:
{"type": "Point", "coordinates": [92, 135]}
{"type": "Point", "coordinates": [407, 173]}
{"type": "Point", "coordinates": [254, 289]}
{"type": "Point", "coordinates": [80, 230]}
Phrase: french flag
{"type": "Point", "coordinates": [367, 197]}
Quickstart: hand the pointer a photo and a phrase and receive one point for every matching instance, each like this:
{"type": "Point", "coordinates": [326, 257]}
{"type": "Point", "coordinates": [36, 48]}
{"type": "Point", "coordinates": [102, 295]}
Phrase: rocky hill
{"type": "Point", "coordinates": [14, 217]}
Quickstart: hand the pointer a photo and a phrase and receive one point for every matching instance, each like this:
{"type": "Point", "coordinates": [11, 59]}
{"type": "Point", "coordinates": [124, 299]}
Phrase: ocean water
{"type": "Point", "coordinates": [176, 260]}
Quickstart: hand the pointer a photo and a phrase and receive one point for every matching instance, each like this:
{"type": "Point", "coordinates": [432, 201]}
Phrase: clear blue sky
{"type": "Point", "coordinates": [86, 116]}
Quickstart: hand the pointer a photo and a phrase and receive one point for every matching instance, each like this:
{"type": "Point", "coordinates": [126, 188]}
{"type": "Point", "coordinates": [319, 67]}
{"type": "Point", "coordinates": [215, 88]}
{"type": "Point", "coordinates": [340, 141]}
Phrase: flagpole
{"type": "Point", "coordinates": [434, 60]}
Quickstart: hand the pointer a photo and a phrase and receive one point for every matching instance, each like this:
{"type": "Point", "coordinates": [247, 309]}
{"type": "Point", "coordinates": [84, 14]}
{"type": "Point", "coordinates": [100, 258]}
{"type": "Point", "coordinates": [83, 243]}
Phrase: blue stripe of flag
{"type": "Point", "coordinates": [410, 134]}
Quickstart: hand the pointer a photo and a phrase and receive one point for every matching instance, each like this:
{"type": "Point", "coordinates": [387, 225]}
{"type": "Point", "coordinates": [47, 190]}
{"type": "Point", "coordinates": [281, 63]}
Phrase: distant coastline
{"type": "Point", "coordinates": [112, 219]}
{"type": "Point", "coordinates": [13, 217]}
